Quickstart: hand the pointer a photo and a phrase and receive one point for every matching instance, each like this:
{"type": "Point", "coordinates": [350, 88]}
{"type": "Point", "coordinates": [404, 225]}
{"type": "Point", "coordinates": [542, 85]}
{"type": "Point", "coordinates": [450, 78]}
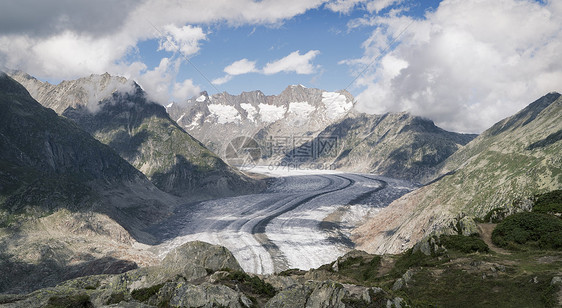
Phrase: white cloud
{"type": "Point", "coordinates": [234, 12]}
{"type": "Point", "coordinates": [379, 5]}
{"type": "Point", "coordinates": [226, 78]}
{"type": "Point", "coordinates": [157, 82]}
{"type": "Point", "coordinates": [185, 38]}
{"type": "Point", "coordinates": [346, 6]}
{"type": "Point", "coordinates": [67, 40]}
{"type": "Point", "coordinates": [65, 55]}
{"type": "Point", "coordinates": [240, 67]}
{"type": "Point", "coordinates": [343, 6]}
{"type": "Point", "coordinates": [160, 82]}
{"type": "Point", "coordinates": [185, 90]}
{"type": "Point", "coordinates": [294, 62]}
{"type": "Point", "coordinates": [467, 65]}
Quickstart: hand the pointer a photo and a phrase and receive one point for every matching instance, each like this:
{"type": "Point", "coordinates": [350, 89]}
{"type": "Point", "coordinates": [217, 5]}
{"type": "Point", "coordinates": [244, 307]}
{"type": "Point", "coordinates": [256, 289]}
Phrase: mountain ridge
{"type": "Point", "coordinates": [498, 169]}
{"type": "Point", "coordinates": [117, 112]}
{"type": "Point", "coordinates": [69, 205]}
{"type": "Point", "coordinates": [295, 111]}
{"type": "Point", "coordinates": [300, 119]}
{"type": "Point", "coordinates": [393, 144]}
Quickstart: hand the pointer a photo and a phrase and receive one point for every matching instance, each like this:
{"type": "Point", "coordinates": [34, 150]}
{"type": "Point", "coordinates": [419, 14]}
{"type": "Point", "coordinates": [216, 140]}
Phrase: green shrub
{"type": "Point", "coordinates": [144, 294]}
{"type": "Point", "coordinates": [115, 298]}
{"type": "Point", "coordinates": [495, 215]}
{"type": "Point", "coordinates": [292, 271]}
{"type": "Point", "coordinates": [410, 259]}
{"type": "Point", "coordinates": [549, 203]}
{"type": "Point", "coordinates": [359, 268]}
{"type": "Point", "coordinates": [466, 244]}
{"type": "Point", "coordinates": [253, 283]}
{"type": "Point", "coordinates": [349, 262]}
{"type": "Point", "coordinates": [371, 267]}
{"type": "Point", "coordinates": [529, 230]}
{"type": "Point", "coordinates": [71, 301]}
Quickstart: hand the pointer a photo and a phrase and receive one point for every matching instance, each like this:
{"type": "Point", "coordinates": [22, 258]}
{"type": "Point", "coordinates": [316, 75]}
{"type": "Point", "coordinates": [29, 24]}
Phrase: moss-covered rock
{"type": "Point", "coordinates": [212, 257]}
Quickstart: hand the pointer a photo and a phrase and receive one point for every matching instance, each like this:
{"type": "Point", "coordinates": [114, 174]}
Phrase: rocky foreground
{"type": "Point", "coordinates": [198, 274]}
{"type": "Point", "coordinates": [441, 271]}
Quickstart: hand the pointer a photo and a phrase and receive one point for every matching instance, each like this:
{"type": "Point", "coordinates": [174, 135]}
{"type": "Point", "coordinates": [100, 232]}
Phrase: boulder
{"type": "Point", "coordinates": [294, 296]}
{"type": "Point", "coordinates": [467, 226]}
{"type": "Point", "coordinates": [327, 295]}
{"type": "Point", "coordinates": [208, 256]}
{"type": "Point", "coordinates": [208, 295]}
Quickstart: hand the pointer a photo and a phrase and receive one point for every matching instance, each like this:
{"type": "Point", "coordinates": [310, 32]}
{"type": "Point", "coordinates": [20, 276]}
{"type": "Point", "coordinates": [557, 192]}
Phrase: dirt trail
{"type": "Point", "coordinates": [486, 230]}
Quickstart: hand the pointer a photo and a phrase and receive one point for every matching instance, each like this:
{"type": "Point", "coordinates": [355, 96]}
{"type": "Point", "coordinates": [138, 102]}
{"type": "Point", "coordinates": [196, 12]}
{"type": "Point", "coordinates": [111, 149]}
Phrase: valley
{"type": "Point", "coordinates": [280, 154]}
{"type": "Point", "coordinates": [300, 221]}
{"type": "Point", "coordinates": [121, 204]}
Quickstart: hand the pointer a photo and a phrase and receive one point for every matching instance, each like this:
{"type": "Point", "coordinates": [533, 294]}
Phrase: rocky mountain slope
{"type": "Point", "coordinates": [116, 112]}
{"type": "Point", "coordinates": [67, 201]}
{"type": "Point", "coordinates": [397, 145]}
{"type": "Point", "coordinates": [502, 168]}
{"type": "Point", "coordinates": [297, 114]}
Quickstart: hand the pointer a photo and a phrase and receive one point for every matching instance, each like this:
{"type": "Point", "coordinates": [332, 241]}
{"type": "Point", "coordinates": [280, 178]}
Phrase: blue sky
{"type": "Point", "coordinates": [319, 29]}
{"type": "Point", "coordinates": [465, 64]}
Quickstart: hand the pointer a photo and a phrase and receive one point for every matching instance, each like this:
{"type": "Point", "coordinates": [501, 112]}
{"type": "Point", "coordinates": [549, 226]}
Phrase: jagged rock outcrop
{"type": "Point", "coordinates": [208, 295]}
{"type": "Point", "coordinates": [116, 112]}
{"type": "Point", "coordinates": [512, 161]}
{"type": "Point", "coordinates": [149, 286]}
{"type": "Point", "coordinates": [297, 114]}
{"type": "Point", "coordinates": [73, 93]}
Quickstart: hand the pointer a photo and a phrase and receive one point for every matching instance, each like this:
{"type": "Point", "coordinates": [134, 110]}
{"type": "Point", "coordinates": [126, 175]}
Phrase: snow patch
{"type": "Point", "coordinates": [299, 113]}
{"type": "Point", "coordinates": [195, 120]}
{"type": "Point", "coordinates": [251, 110]}
{"type": "Point", "coordinates": [297, 85]}
{"type": "Point", "coordinates": [271, 113]}
{"type": "Point", "coordinates": [170, 105]}
{"type": "Point", "coordinates": [225, 113]}
{"type": "Point", "coordinates": [336, 104]}
{"type": "Point", "coordinates": [181, 117]}
{"type": "Point", "coordinates": [201, 98]}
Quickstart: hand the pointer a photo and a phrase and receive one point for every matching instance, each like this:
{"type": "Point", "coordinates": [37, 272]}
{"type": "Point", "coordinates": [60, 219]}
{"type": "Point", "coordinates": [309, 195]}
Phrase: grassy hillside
{"type": "Point", "coordinates": [502, 168]}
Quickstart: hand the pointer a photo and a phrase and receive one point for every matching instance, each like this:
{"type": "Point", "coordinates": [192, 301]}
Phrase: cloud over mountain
{"type": "Point", "coordinates": [65, 40]}
{"type": "Point", "coordinates": [467, 65]}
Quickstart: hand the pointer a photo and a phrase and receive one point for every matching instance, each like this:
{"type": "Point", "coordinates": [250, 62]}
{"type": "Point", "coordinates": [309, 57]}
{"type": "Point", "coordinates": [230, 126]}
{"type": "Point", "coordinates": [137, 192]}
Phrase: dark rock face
{"type": "Point", "coordinates": [46, 156]}
{"type": "Point", "coordinates": [50, 169]}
